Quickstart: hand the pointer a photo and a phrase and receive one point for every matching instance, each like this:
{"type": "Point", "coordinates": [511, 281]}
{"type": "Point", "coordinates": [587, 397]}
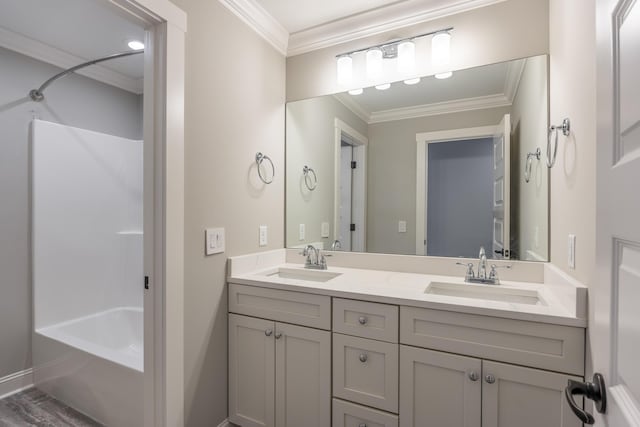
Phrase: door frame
{"type": "Point", "coordinates": [359, 210]}
{"type": "Point", "coordinates": [163, 135]}
{"type": "Point", "coordinates": [422, 171]}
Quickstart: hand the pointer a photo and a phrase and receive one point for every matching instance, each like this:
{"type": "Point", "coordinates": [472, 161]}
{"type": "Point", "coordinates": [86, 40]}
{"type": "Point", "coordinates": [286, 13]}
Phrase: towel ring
{"type": "Point", "coordinates": [259, 159]}
{"type": "Point", "coordinates": [527, 167]}
{"type": "Point", "coordinates": [311, 184]}
{"type": "Point", "coordinates": [566, 129]}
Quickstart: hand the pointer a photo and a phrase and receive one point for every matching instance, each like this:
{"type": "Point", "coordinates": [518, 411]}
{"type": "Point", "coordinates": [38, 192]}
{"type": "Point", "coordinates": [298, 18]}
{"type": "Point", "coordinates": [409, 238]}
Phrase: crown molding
{"type": "Point", "coordinates": [51, 55]}
{"type": "Point", "coordinates": [260, 21]}
{"type": "Point", "coordinates": [377, 21]}
{"type": "Point", "coordinates": [512, 80]}
{"type": "Point", "coordinates": [347, 100]}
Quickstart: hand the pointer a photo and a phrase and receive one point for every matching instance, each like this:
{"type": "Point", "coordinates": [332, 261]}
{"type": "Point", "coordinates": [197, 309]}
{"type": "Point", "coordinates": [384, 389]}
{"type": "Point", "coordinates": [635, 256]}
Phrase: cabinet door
{"type": "Point", "coordinates": [251, 371]}
{"type": "Point", "coordinates": [303, 376]}
{"type": "Point", "coordinates": [524, 397]}
{"type": "Point", "coordinates": [439, 389]}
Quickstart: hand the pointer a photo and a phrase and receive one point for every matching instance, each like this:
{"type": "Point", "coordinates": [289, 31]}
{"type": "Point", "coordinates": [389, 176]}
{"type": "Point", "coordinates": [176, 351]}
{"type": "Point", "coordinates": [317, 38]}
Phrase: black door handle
{"type": "Point", "coordinates": [595, 391]}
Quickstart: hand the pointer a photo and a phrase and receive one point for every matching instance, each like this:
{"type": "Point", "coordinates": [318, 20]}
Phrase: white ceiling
{"type": "Point", "coordinates": [301, 15]}
{"type": "Point", "coordinates": [87, 29]}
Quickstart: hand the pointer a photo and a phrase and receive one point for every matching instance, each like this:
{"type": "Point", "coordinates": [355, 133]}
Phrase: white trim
{"type": "Point", "coordinates": [51, 55]}
{"type": "Point", "coordinates": [361, 142]}
{"type": "Point", "coordinates": [422, 139]}
{"type": "Point", "coordinates": [348, 101]}
{"type": "Point", "coordinates": [225, 423]}
{"type": "Point", "coordinates": [512, 82]}
{"type": "Point", "coordinates": [16, 382]}
{"type": "Point", "coordinates": [390, 18]}
{"type": "Point", "coordinates": [260, 21]}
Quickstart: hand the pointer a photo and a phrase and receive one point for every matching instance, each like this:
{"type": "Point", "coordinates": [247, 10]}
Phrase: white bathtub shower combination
{"type": "Point", "coordinates": [87, 271]}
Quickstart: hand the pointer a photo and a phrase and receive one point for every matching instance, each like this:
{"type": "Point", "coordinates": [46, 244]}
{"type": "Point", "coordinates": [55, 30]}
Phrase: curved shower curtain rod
{"type": "Point", "coordinates": [38, 94]}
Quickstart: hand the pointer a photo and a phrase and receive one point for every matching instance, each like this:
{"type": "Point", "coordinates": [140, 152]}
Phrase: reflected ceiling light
{"type": "Point", "coordinates": [412, 81]}
{"type": "Point", "coordinates": [345, 70]}
{"type": "Point", "coordinates": [407, 57]}
{"type": "Point", "coordinates": [374, 63]}
{"type": "Point", "coordinates": [383, 86]}
{"type": "Point", "coordinates": [441, 49]}
{"type": "Point", "coordinates": [135, 45]}
{"type": "Point", "coordinates": [442, 76]}
{"type": "Point", "coordinates": [355, 91]}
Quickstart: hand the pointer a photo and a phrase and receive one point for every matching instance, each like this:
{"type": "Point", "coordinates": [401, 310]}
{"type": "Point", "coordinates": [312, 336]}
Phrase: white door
{"type": "Point", "coordinates": [615, 319]}
{"type": "Point", "coordinates": [501, 179]}
{"type": "Point", "coordinates": [439, 389]}
{"type": "Point", "coordinates": [346, 174]}
{"type": "Point", "coordinates": [303, 376]}
{"type": "Point", "coordinates": [251, 371]}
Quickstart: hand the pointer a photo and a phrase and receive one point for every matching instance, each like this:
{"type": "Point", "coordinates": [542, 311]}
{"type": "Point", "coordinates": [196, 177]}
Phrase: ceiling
{"type": "Point", "coordinates": [84, 29]}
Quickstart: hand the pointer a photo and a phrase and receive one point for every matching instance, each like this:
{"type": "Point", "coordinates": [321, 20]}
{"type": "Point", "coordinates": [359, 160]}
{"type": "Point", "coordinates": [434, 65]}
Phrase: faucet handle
{"type": "Point", "coordinates": [493, 274]}
{"type": "Point", "coordinates": [469, 274]}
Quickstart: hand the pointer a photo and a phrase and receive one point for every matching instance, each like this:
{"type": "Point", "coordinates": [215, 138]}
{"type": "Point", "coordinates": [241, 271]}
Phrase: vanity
{"type": "Point", "coordinates": [387, 347]}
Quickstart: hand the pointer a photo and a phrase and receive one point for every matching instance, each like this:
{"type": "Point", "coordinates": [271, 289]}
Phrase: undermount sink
{"type": "Point", "coordinates": [486, 292]}
{"type": "Point", "coordinates": [300, 274]}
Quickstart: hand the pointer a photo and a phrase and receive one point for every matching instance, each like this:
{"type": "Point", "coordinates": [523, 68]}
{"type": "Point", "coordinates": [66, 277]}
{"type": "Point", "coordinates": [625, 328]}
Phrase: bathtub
{"type": "Point", "coordinates": [95, 364]}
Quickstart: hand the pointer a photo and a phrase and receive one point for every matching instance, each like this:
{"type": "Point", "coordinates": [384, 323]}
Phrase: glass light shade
{"type": "Point", "coordinates": [442, 76]}
{"type": "Point", "coordinates": [374, 63]}
{"type": "Point", "coordinates": [384, 86]}
{"type": "Point", "coordinates": [406, 57]}
{"type": "Point", "coordinates": [344, 66]}
{"type": "Point", "coordinates": [412, 81]}
{"type": "Point", "coordinates": [135, 45]}
{"type": "Point", "coordinates": [441, 49]}
{"type": "Point", "coordinates": [355, 91]}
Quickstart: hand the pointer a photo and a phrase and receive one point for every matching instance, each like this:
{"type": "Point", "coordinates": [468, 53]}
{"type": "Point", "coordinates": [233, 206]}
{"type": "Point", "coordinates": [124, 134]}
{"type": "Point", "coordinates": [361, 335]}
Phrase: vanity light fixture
{"type": "Point", "coordinates": [135, 45]}
{"type": "Point", "coordinates": [403, 51]}
{"type": "Point", "coordinates": [356, 91]}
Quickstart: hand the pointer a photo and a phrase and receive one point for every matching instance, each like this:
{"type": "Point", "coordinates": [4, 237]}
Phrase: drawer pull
{"type": "Point", "coordinates": [362, 425]}
{"type": "Point", "coordinates": [362, 320]}
{"type": "Point", "coordinates": [278, 335]}
{"type": "Point", "coordinates": [363, 357]}
{"type": "Point", "coordinates": [490, 379]}
{"type": "Point", "coordinates": [268, 332]}
{"type": "Point", "coordinates": [473, 376]}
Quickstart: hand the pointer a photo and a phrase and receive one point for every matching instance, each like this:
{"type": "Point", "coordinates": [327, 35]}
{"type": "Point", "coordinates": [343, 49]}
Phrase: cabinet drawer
{"type": "Point", "coordinates": [540, 345]}
{"type": "Point", "coordinates": [366, 371]}
{"type": "Point", "coordinates": [366, 319]}
{"type": "Point", "coordinates": [346, 414]}
{"type": "Point", "coordinates": [285, 306]}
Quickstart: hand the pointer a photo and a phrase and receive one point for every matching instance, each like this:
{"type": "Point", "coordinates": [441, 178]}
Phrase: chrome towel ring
{"type": "Point", "coordinates": [261, 158]}
{"type": "Point", "coordinates": [311, 183]}
{"type": "Point", "coordinates": [566, 129]}
{"type": "Point", "coordinates": [527, 166]}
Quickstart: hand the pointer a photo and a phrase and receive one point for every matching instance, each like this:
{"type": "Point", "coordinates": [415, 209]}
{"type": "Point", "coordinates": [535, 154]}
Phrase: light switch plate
{"type": "Point", "coordinates": [214, 241]}
{"type": "Point", "coordinates": [301, 232]}
{"type": "Point", "coordinates": [572, 251]}
{"type": "Point", "coordinates": [324, 229]}
{"type": "Point", "coordinates": [262, 240]}
{"type": "Point", "coordinates": [402, 226]}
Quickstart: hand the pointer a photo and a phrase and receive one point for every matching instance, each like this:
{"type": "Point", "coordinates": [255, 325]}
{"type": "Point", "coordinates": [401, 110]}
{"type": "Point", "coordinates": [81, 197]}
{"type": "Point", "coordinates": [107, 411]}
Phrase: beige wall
{"type": "Point", "coordinates": [392, 196]}
{"type": "Point", "coordinates": [311, 141]}
{"type": "Point", "coordinates": [501, 32]}
{"type": "Point", "coordinates": [529, 117]}
{"type": "Point", "coordinates": [572, 83]}
{"type": "Point", "coordinates": [234, 107]}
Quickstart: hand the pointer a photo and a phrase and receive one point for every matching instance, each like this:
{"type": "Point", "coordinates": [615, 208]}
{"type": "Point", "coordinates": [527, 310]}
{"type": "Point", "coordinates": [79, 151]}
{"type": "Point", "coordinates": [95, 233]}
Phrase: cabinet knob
{"type": "Point", "coordinates": [490, 379]}
{"type": "Point", "coordinates": [268, 332]}
{"type": "Point", "coordinates": [362, 320]}
{"type": "Point", "coordinates": [363, 357]}
{"type": "Point", "coordinates": [278, 335]}
{"type": "Point", "coordinates": [362, 425]}
{"type": "Point", "coordinates": [473, 376]}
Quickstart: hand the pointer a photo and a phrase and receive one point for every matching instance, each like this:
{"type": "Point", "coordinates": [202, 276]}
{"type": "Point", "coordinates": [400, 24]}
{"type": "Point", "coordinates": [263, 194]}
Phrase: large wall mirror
{"type": "Point", "coordinates": [436, 168]}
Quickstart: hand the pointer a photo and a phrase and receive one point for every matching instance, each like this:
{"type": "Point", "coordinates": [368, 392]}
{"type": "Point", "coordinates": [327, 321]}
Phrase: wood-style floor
{"type": "Point", "coordinates": [35, 408]}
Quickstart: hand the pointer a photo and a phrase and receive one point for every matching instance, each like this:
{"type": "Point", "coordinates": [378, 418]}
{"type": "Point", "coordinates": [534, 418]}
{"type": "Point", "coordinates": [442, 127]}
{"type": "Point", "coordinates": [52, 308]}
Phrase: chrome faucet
{"type": "Point", "coordinates": [481, 277]}
{"type": "Point", "coordinates": [482, 264]}
{"type": "Point", "coordinates": [336, 245]}
{"type": "Point", "coordinates": [315, 259]}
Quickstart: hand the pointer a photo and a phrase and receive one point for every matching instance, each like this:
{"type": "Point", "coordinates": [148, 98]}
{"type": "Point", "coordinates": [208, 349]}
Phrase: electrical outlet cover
{"type": "Point", "coordinates": [214, 241]}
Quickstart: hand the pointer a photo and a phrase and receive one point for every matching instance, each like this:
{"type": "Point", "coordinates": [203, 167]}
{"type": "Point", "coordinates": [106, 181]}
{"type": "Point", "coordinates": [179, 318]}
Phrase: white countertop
{"type": "Point", "coordinates": [403, 288]}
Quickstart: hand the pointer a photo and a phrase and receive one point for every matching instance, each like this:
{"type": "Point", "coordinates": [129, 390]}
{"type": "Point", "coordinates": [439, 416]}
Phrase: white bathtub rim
{"type": "Point", "coordinates": [135, 362]}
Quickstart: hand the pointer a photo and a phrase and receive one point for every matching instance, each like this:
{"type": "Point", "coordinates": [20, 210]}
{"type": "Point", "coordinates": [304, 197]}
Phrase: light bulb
{"type": "Point", "coordinates": [135, 45]}
{"type": "Point", "coordinates": [406, 57]}
{"type": "Point", "coordinates": [374, 63]}
{"type": "Point", "coordinates": [442, 76]}
{"type": "Point", "coordinates": [384, 86]}
{"type": "Point", "coordinates": [441, 49]}
{"type": "Point", "coordinates": [412, 81]}
{"type": "Point", "coordinates": [355, 91]}
{"type": "Point", "coordinates": [345, 70]}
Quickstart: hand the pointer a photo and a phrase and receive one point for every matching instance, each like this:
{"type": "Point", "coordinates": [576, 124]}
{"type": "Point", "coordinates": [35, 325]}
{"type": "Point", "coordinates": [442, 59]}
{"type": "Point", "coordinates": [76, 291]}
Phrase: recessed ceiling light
{"type": "Point", "coordinates": [136, 45]}
{"type": "Point", "coordinates": [412, 81]}
{"type": "Point", "coordinates": [444, 75]}
{"type": "Point", "coordinates": [355, 91]}
{"type": "Point", "coordinates": [383, 86]}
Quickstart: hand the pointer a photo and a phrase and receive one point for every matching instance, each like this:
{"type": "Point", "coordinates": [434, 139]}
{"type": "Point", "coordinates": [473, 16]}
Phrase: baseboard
{"type": "Point", "coordinates": [16, 382]}
{"type": "Point", "coordinates": [225, 423]}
